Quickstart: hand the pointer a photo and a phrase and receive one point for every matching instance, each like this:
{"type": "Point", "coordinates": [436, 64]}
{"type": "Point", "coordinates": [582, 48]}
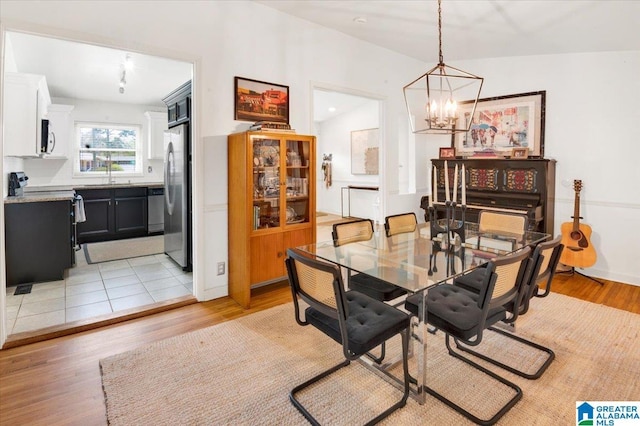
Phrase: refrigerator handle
{"type": "Point", "coordinates": [168, 178]}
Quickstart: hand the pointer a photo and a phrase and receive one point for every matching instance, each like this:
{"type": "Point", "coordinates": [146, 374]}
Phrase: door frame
{"type": "Point", "coordinates": [328, 87]}
{"type": "Point", "coordinates": [197, 172]}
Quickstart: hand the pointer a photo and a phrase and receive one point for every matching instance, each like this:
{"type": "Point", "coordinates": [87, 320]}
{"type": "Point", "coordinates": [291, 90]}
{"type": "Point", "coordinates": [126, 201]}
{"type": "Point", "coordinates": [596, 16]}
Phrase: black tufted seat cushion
{"type": "Point", "coordinates": [375, 288]}
{"type": "Point", "coordinates": [454, 310]}
{"type": "Point", "coordinates": [370, 322]}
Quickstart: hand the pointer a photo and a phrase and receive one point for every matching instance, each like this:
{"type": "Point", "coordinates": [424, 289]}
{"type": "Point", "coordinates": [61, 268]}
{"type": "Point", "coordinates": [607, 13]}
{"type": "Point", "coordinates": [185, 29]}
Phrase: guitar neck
{"type": "Point", "coordinates": [576, 212]}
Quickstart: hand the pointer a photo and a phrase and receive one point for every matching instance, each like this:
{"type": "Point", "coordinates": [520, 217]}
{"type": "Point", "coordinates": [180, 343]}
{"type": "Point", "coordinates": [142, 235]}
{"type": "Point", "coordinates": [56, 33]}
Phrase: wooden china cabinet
{"type": "Point", "coordinates": [272, 205]}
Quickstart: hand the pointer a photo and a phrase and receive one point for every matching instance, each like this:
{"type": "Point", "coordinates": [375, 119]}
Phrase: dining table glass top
{"type": "Point", "coordinates": [415, 261]}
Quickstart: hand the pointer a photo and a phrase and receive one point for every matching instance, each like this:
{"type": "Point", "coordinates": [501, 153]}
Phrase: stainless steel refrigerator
{"type": "Point", "coordinates": [177, 209]}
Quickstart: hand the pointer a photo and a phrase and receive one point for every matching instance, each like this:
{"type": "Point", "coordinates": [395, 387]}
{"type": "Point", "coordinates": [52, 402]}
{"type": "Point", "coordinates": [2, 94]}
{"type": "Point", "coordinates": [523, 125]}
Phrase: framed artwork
{"type": "Point", "coordinates": [501, 124]}
{"type": "Point", "coordinates": [365, 151]}
{"type": "Point", "coordinates": [260, 101]}
{"type": "Point", "coordinates": [519, 153]}
{"type": "Point", "coordinates": [447, 153]}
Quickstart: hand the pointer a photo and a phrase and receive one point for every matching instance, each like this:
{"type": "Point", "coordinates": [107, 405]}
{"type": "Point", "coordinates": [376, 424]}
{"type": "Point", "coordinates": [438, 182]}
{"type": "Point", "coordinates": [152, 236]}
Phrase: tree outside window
{"type": "Point", "coordinates": [101, 145]}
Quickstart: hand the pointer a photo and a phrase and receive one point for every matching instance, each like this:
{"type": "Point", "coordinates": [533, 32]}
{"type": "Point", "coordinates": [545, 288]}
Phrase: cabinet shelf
{"type": "Point", "coordinates": [264, 169]}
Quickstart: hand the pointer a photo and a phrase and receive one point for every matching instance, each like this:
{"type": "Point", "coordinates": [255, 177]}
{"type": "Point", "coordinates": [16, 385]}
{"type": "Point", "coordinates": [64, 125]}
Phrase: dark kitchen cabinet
{"type": "Point", "coordinates": [113, 213]}
{"type": "Point", "coordinates": [39, 241]}
{"type": "Point", "coordinates": [179, 105]}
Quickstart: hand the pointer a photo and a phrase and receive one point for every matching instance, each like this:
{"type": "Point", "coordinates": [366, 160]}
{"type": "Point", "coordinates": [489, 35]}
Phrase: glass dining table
{"type": "Point", "coordinates": [416, 261]}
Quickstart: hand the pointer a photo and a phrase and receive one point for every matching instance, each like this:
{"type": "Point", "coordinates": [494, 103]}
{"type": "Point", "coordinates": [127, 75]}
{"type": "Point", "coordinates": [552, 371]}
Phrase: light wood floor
{"type": "Point", "coordinates": [57, 382]}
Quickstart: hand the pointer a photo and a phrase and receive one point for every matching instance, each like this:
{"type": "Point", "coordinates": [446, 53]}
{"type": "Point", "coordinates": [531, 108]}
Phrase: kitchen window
{"type": "Point", "coordinates": [101, 147]}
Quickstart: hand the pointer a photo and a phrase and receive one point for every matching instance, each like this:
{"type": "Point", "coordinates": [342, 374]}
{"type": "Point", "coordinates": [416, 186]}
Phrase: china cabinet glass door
{"type": "Point", "coordinates": [297, 180]}
{"type": "Point", "coordinates": [266, 183]}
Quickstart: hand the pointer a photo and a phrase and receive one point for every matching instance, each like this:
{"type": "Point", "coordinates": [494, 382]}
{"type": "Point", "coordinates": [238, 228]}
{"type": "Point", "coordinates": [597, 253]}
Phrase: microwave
{"type": "Point", "coordinates": [48, 138]}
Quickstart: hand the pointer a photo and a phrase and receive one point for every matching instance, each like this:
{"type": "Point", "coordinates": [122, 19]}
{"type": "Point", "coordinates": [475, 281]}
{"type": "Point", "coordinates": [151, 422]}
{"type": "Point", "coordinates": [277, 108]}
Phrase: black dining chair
{"type": "Point", "coordinates": [463, 316]}
{"type": "Point", "coordinates": [400, 224]}
{"type": "Point", "coordinates": [352, 319]}
{"type": "Point", "coordinates": [510, 226]}
{"type": "Point", "coordinates": [544, 262]}
{"type": "Point", "coordinates": [362, 230]}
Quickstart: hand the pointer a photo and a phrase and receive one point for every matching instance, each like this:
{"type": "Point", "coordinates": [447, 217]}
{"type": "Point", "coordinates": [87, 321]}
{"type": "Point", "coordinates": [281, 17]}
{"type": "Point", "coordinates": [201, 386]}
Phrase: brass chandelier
{"type": "Point", "coordinates": [444, 99]}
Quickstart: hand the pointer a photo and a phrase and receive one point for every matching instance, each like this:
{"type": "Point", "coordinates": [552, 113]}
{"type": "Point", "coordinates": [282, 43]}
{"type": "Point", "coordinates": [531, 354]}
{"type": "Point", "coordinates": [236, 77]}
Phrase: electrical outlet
{"type": "Point", "coordinates": [220, 268]}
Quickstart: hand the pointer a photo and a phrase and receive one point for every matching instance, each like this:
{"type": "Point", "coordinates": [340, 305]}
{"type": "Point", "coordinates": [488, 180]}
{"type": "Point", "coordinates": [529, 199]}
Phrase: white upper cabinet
{"type": "Point", "coordinates": [157, 123]}
{"type": "Point", "coordinates": [26, 102]}
{"type": "Point", "coordinates": [61, 124]}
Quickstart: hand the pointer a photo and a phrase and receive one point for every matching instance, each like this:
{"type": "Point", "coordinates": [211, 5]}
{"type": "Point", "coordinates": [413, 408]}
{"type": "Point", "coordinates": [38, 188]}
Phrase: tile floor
{"type": "Point", "coordinates": [92, 290]}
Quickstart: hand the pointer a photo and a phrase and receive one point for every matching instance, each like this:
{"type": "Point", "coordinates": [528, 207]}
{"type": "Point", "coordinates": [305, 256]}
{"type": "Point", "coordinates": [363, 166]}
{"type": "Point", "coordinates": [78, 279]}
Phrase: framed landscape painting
{"type": "Point", "coordinates": [261, 101]}
{"type": "Point", "coordinates": [501, 124]}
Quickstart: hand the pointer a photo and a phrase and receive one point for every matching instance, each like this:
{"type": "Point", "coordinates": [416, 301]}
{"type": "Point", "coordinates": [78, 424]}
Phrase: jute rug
{"type": "Point", "coordinates": [107, 251]}
{"type": "Point", "coordinates": [240, 372]}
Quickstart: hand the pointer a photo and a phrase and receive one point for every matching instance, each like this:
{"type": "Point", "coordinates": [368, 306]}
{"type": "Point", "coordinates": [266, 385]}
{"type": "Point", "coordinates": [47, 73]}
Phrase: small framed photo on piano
{"type": "Point", "coordinates": [446, 153]}
{"type": "Point", "coordinates": [520, 153]}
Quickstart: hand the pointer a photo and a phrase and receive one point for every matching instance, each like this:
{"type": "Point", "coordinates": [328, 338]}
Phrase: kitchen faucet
{"type": "Point", "coordinates": [109, 167]}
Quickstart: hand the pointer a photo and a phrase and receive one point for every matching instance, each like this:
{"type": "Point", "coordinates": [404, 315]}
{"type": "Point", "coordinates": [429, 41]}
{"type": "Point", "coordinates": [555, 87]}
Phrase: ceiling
{"type": "Point", "coordinates": [473, 29]}
{"type": "Point", "coordinates": [328, 104]}
{"type": "Point", "coordinates": [85, 71]}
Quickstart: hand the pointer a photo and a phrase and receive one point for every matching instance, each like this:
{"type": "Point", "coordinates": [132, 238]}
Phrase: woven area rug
{"type": "Point", "coordinates": [240, 372]}
{"type": "Point", "coordinates": [107, 251]}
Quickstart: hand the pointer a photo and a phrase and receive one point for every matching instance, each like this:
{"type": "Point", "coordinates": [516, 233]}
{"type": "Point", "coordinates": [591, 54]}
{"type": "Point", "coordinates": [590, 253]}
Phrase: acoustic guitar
{"type": "Point", "coordinates": [578, 250]}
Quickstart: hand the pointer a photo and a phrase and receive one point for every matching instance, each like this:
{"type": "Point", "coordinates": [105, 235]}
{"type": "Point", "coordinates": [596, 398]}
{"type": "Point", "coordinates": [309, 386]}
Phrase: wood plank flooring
{"type": "Point", "coordinates": [57, 382]}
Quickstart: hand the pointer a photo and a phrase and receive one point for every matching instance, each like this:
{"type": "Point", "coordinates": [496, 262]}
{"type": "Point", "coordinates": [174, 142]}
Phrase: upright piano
{"type": "Point", "coordinates": [525, 186]}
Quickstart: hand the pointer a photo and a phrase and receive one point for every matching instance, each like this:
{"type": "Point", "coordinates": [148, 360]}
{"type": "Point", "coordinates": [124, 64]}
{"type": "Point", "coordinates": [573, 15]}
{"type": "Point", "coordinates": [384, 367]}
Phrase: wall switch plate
{"type": "Point", "coordinates": [220, 268]}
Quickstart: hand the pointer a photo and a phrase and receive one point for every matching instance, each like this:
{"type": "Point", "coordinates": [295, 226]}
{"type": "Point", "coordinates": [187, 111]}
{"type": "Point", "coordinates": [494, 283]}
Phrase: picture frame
{"type": "Point", "coordinates": [256, 100]}
{"type": "Point", "coordinates": [447, 153]}
{"type": "Point", "coordinates": [500, 124]}
{"type": "Point", "coordinates": [520, 153]}
{"type": "Point", "coordinates": [365, 145]}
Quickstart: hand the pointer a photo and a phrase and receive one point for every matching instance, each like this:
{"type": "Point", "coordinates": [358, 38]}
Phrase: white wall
{"type": "Point", "coordinates": [55, 172]}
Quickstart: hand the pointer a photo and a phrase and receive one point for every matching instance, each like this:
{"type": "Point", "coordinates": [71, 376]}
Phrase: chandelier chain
{"type": "Point", "coordinates": [440, 32]}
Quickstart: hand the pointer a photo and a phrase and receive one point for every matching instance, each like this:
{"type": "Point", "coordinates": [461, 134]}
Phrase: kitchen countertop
{"type": "Point", "coordinates": [34, 197]}
{"type": "Point", "coordinates": [67, 192]}
{"type": "Point", "coordinates": [121, 185]}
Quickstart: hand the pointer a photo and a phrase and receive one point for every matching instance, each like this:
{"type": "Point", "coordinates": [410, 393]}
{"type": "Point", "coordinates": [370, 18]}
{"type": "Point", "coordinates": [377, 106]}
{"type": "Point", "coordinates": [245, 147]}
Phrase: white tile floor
{"type": "Point", "coordinates": [92, 290]}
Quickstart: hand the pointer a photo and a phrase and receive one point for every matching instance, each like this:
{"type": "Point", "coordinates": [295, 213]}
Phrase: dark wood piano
{"type": "Point", "coordinates": [525, 186]}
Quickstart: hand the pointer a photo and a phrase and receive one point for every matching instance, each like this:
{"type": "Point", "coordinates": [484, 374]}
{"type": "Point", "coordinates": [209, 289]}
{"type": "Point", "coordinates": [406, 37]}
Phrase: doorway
{"type": "Point", "coordinates": [340, 116]}
{"type": "Point", "coordinates": [93, 79]}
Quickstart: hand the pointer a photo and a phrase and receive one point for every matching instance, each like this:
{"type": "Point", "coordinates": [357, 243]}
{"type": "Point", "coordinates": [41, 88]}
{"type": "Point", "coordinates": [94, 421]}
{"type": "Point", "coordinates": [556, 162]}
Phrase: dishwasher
{"type": "Point", "coordinates": [155, 208]}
